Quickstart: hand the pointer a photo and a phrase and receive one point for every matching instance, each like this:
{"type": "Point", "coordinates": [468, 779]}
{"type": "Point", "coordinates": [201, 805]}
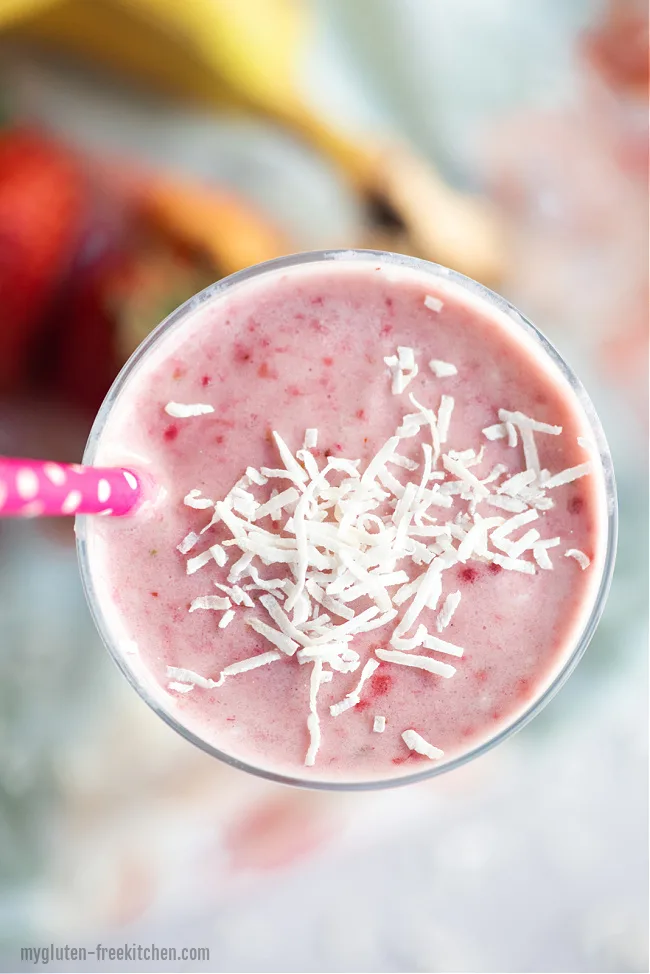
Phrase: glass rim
{"type": "Point", "coordinates": [495, 301]}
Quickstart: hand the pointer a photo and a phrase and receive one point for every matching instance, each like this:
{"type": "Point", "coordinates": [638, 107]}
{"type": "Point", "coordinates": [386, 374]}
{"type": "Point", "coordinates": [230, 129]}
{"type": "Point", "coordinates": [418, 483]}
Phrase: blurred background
{"type": "Point", "coordinates": [149, 147]}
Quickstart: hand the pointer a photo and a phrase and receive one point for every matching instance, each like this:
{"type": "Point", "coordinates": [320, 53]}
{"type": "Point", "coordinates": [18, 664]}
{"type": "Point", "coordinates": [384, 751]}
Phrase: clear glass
{"type": "Point", "coordinates": [606, 473]}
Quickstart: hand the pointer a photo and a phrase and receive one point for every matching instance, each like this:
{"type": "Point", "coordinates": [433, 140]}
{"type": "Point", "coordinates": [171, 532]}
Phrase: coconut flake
{"type": "Point", "coordinates": [405, 645]}
{"type": "Point", "coordinates": [189, 676]}
{"type": "Point", "coordinates": [402, 461]}
{"type": "Point", "coordinates": [471, 540]}
{"type": "Point", "coordinates": [449, 606]}
{"type": "Point", "coordinates": [378, 461]}
{"type": "Point", "coordinates": [442, 646]}
{"type": "Point", "coordinates": [244, 665]}
{"type": "Point", "coordinates": [512, 524]}
{"type": "Point", "coordinates": [460, 471]}
{"type": "Point", "coordinates": [430, 418]}
{"type": "Point", "coordinates": [526, 542]}
{"type": "Point", "coordinates": [442, 370]}
{"type": "Point", "coordinates": [301, 610]}
{"type": "Point", "coordinates": [514, 485]}
{"type": "Point", "coordinates": [379, 724]}
{"type": "Point", "coordinates": [218, 554]}
{"type": "Point", "coordinates": [497, 471]}
{"type": "Point", "coordinates": [354, 697]}
{"type": "Point", "coordinates": [277, 503]}
{"type": "Point", "coordinates": [226, 618]}
{"type": "Point", "coordinates": [496, 432]}
{"type": "Point", "coordinates": [568, 476]}
{"type": "Point", "coordinates": [237, 594]}
{"type": "Point", "coordinates": [240, 566]}
{"type": "Point", "coordinates": [311, 439]}
{"type": "Point", "coordinates": [256, 477]}
{"type": "Point", "coordinates": [283, 642]}
{"type": "Point", "coordinates": [334, 605]}
{"type": "Point", "coordinates": [468, 457]}
{"type": "Point", "coordinates": [511, 433]}
{"type": "Point", "coordinates": [514, 564]}
{"type": "Point", "coordinates": [525, 422]}
{"type": "Point", "coordinates": [194, 499]}
{"type": "Point", "coordinates": [433, 304]}
{"type": "Point", "coordinates": [419, 662]}
{"type": "Point", "coordinates": [214, 553]}
{"type": "Point", "coordinates": [583, 560]}
{"type": "Point", "coordinates": [428, 592]}
{"type": "Point", "coordinates": [506, 503]}
{"type": "Point", "coordinates": [406, 357]}
{"type": "Point", "coordinates": [541, 557]}
{"type": "Point", "coordinates": [210, 602]}
{"type": "Point", "coordinates": [313, 722]}
{"type": "Point", "coordinates": [402, 368]}
{"type": "Point", "coordinates": [309, 463]}
{"type": "Point", "coordinates": [184, 410]}
{"type": "Point", "coordinates": [293, 468]}
{"type": "Point", "coordinates": [415, 742]}
{"type": "Point", "coordinates": [180, 687]}
{"type": "Point", "coordinates": [187, 543]}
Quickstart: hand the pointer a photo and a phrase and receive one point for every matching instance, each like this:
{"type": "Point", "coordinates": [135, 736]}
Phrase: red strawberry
{"type": "Point", "coordinates": [41, 200]}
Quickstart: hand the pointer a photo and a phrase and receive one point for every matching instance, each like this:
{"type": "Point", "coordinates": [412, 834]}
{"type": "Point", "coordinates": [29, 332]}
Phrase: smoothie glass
{"type": "Point", "coordinates": [603, 472]}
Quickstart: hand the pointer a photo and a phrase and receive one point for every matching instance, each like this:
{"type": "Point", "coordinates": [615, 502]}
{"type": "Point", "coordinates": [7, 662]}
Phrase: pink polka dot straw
{"type": "Point", "coordinates": [40, 488]}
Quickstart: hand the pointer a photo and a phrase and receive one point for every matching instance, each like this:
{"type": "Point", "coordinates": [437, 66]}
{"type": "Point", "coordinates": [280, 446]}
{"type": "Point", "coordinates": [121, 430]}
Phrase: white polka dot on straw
{"type": "Point", "coordinates": [103, 491]}
{"type": "Point", "coordinates": [71, 503]}
{"type": "Point", "coordinates": [109, 510]}
{"type": "Point", "coordinates": [3, 493]}
{"type": "Point", "coordinates": [55, 473]}
{"type": "Point", "coordinates": [26, 484]}
{"type": "Point", "coordinates": [131, 480]}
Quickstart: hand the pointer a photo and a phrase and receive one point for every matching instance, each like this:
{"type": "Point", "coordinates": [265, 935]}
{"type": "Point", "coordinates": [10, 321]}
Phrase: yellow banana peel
{"type": "Point", "coordinates": [239, 53]}
{"type": "Point", "coordinates": [244, 54]}
{"type": "Point", "coordinates": [13, 11]}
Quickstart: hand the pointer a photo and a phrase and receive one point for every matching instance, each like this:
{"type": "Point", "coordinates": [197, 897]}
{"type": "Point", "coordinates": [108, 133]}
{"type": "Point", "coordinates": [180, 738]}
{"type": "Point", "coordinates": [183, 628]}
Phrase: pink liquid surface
{"type": "Point", "coordinates": [303, 348]}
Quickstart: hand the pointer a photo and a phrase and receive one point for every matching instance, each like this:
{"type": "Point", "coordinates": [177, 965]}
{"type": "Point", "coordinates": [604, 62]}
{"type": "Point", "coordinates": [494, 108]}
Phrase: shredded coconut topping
{"type": "Point", "coordinates": [209, 602]}
{"type": "Point", "coordinates": [194, 499]}
{"type": "Point", "coordinates": [415, 742]}
{"type": "Point", "coordinates": [433, 304]}
{"type": "Point", "coordinates": [353, 698]}
{"type": "Point", "coordinates": [496, 432]}
{"type": "Point", "coordinates": [311, 439]}
{"type": "Point", "coordinates": [226, 618]}
{"type": "Point", "coordinates": [568, 476]}
{"type": "Point", "coordinates": [583, 560]}
{"type": "Point", "coordinates": [187, 543]}
{"type": "Point", "coordinates": [442, 370]}
{"type": "Point", "coordinates": [402, 368]}
{"type": "Point", "coordinates": [315, 554]}
{"type": "Point", "coordinates": [184, 410]}
{"type": "Point", "coordinates": [449, 606]}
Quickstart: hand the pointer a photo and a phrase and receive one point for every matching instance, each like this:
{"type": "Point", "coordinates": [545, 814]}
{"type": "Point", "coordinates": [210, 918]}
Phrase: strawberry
{"type": "Point", "coordinates": [41, 204]}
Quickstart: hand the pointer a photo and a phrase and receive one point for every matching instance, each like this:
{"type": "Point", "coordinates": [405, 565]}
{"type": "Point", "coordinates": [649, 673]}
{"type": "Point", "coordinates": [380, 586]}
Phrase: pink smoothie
{"type": "Point", "coordinates": [304, 348]}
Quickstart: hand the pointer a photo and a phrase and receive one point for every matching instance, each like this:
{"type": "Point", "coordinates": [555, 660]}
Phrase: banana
{"type": "Point", "coordinates": [12, 11]}
{"type": "Point", "coordinates": [243, 55]}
